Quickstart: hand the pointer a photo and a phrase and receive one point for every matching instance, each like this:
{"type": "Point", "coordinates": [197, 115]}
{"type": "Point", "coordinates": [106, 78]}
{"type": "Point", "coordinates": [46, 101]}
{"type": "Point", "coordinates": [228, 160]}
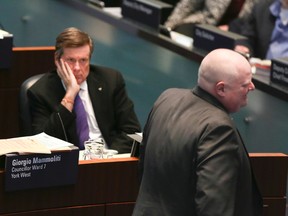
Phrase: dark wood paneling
{"type": "Point", "coordinates": [26, 61]}
{"type": "Point", "coordinates": [274, 206]}
{"type": "Point", "coordinates": [98, 210]}
{"type": "Point", "coordinates": [9, 125]}
{"type": "Point", "coordinates": [270, 171]}
{"type": "Point", "coordinates": [123, 209]}
{"type": "Point", "coordinates": [112, 184]}
{"type": "Point", "coordinates": [100, 182]}
{"type": "Point", "coordinates": [127, 184]}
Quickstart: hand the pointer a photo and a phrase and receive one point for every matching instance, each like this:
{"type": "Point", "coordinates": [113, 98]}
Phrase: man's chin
{"type": "Point", "coordinates": [244, 104]}
{"type": "Point", "coordinates": [79, 81]}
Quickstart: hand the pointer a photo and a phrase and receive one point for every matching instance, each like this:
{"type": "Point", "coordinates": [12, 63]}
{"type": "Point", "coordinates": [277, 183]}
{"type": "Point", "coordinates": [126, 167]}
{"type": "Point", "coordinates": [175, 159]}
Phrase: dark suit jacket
{"type": "Point", "coordinates": [113, 109]}
{"type": "Point", "coordinates": [258, 28]}
{"type": "Point", "coordinates": [194, 161]}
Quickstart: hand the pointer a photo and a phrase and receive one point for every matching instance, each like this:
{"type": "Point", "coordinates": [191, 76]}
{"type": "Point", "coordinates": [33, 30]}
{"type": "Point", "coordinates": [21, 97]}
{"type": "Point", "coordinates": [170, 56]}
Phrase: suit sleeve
{"type": "Point", "coordinates": [248, 29]}
{"type": "Point", "coordinates": [125, 118]}
{"type": "Point", "coordinates": [217, 172]}
{"type": "Point", "coordinates": [49, 116]}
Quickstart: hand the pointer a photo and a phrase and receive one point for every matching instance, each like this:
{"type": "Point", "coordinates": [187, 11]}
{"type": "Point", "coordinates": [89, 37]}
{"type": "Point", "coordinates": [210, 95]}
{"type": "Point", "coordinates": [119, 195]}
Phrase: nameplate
{"type": "Point", "coordinates": [41, 170]}
{"type": "Point", "coordinates": [148, 12]}
{"type": "Point", "coordinates": [208, 37]}
{"type": "Point", "coordinates": [279, 71]}
{"type": "Point", "coordinates": [6, 45]}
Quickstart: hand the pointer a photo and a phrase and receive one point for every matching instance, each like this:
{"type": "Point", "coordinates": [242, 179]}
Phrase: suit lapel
{"type": "Point", "coordinates": [96, 89]}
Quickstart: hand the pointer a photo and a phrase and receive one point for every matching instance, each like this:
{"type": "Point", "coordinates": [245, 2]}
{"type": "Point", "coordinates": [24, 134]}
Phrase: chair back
{"type": "Point", "coordinates": [25, 124]}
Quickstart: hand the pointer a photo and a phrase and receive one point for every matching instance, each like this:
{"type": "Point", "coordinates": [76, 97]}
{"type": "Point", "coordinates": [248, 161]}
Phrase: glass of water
{"type": "Point", "coordinates": [94, 149]}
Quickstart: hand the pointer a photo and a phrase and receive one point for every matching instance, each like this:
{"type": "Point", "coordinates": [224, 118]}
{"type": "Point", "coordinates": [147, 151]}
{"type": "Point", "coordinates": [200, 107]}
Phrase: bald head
{"type": "Point", "coordinates": [223, 71]}
{"type": "Point", "coordinates": [221, 65]}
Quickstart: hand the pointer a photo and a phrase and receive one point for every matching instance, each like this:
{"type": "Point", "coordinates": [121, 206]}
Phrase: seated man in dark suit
{"type": "Point", "coordinates": [192, 157]}
{"type": "Point", "coordinates": [266, 29]}
{"type": "Point", "coordinates": [109, 113]}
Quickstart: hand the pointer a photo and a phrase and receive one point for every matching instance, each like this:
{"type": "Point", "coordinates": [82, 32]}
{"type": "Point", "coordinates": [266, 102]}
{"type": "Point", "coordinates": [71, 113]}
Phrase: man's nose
{"type": "Point", "coordinates": [77, 65]}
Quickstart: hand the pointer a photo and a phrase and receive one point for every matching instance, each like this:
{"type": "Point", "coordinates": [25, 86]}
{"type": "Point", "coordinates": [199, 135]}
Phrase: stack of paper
{"type": "Point", "coordinates": [137, 137]}
{"type": "Point", "coordinates": [4, 34]}
{"type": "Point", "coordinates": [40, 143]}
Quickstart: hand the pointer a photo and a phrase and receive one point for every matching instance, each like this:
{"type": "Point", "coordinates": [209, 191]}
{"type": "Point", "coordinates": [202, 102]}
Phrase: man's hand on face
{"type": "Point", "coordinates": [65, 73]}
{"type": "Point", "coordinates": [72, 87]}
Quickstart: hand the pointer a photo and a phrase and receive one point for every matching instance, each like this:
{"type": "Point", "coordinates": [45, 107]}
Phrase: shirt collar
{"type": "Point", "coordinates": [84, 85]}
{"type": "Point", "coordinates": [208, 97]}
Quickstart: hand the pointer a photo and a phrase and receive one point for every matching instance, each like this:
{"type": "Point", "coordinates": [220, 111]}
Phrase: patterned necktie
{"type": "Point", "coordinates": [82, 128]}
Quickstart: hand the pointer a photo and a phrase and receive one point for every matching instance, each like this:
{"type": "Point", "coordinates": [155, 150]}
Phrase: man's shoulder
{"type": "Point", "coordinates": [176, 91]}
{"type": "Point", "coordinates": [99, 69]}
{"type": "Point", "coordinates": [104, 74]}
{"type": "Point", "coordinates": [175, 96]}
{"type": "Point", "coordinates": [46, 80]}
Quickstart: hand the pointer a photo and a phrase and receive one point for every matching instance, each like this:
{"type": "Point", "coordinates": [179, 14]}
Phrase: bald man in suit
{"type": "Point", "coordinates": [192, 158]}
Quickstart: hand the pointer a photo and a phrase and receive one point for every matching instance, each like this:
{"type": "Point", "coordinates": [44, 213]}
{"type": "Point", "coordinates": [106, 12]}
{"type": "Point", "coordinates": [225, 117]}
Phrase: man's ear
{"type": "Point", "coordinates": [220, 88]}
{"type": "Point", "coordinates": [56, 57]}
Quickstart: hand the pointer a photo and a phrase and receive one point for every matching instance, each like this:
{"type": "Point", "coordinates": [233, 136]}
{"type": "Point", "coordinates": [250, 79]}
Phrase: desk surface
{"type": "Point", "coordinates": [109, 187]}
{"type": "Point", "coordinates": [102, 188]}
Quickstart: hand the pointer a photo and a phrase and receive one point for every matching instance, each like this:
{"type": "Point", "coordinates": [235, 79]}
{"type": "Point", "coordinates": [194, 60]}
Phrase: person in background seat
{"type": "Point", "coordinates": [266, 29]}
{"type": "Point", "coordinates": [187, 13]}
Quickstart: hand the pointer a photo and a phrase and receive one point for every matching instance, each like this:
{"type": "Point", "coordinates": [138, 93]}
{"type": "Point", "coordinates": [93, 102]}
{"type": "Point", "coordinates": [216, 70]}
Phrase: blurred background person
{"type": "Point", "coordinates": [266, 29]}
{"type": "Point", "coordinates": [187, 13]}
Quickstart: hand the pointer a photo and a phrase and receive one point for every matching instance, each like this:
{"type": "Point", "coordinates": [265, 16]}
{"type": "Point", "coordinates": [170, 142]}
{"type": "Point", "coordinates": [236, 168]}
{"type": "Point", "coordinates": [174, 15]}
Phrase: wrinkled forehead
{"type": "Point", "coordinates": [77, 52]}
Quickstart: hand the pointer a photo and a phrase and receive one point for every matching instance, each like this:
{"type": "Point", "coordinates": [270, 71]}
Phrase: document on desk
{"type": "Point", "coordinates": [4, 34]}
{"type": "Point", "coordinates": [137, 137]}
{"type": "Point", "coordinates": [40, 143]}
{"type": "Point", "coordinates": [182, 39]}
{"type": "Point", "coordinates": [52, 143]}
{"type": "Point", "coordinates": [115, 11]}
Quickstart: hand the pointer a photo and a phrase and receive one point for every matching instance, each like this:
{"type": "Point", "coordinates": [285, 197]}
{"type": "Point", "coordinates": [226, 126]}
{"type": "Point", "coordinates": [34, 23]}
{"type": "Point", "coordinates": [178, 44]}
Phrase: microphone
{"type": "Point", "coordinates": [63, 128]}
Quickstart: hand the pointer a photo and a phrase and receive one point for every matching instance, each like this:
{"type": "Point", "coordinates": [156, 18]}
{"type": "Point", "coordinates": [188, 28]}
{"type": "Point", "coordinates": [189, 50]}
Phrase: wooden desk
{"type": "Point", "coordinates": [109, 188]}
{"type": "Point", "coordinates": [104, 187]}
{"type": "Point", "coordinates": [270, 171]}
{"type": "Point", "coordinates": [26, 61]}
